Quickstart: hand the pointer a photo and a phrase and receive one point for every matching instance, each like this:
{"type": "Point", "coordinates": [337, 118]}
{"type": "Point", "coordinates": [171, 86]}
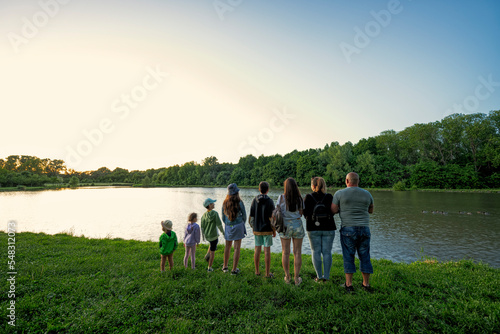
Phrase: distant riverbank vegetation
{"type": "Point", "coordinates": [458, 152]}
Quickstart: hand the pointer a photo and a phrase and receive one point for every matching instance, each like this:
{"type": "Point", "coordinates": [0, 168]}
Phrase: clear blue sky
{"type": "Point", "coordinates": [148, 84]}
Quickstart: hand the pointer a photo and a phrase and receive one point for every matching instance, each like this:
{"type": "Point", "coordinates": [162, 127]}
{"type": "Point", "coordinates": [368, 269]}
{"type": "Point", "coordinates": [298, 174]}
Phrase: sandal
{"type": "Point", "coordinates": [270, 275]}
{"type": "Point", "coordinates": [287, 281]}
{"type": "Point", "coordinates": [299, 281]}
{"type": "Point", "coordinates": [225, 269]}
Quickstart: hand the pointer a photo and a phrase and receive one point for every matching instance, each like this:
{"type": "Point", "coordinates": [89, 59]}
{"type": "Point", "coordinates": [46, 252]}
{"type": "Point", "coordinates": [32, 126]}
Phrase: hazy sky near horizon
{"type": "Point", "coordinates": [149, 84]}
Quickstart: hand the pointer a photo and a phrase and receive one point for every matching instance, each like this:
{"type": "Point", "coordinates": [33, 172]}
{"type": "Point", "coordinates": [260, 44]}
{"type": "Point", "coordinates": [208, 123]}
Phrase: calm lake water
{"type": "Point", "coordinates": [400, 230]}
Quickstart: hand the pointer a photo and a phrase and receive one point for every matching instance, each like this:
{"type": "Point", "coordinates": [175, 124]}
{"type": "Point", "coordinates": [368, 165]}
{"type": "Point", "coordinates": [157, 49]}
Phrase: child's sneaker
{"type": "Point", "coordinates": [225, 269]}
{"type": "Point", "coordinates": [235, 272]}
{"type": "Point", "coordinates": [210, 269]}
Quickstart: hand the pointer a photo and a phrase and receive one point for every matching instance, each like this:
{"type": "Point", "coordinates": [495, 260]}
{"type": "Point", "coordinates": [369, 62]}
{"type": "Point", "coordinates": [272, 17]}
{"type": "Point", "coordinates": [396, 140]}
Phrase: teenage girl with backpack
{"type": "Point", "coordinates": [320, 227]}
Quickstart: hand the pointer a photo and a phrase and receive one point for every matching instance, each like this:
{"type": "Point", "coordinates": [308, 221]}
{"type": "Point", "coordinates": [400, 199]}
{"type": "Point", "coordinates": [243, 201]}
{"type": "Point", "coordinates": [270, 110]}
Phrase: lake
{"type": "Point", "coordinates": [401, 232]}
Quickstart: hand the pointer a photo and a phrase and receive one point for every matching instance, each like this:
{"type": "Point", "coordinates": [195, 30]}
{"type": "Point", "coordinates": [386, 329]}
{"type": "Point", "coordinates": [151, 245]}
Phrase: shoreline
{"type": "Point", "coordinates": [423, 257]}
{"type": "Point", "coordinates": [121, 185]}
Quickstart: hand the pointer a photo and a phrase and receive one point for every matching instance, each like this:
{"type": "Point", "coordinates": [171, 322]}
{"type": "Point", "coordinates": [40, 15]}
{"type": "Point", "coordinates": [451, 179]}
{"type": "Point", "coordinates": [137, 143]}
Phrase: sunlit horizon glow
{"type": "Point", "coordinates": [233, 80]}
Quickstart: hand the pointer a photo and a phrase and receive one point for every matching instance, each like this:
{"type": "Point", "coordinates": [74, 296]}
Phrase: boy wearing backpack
{"type": "Point", "coordinates": [260, 221]}
{"type": "Point", "coordinates": [320, 227]}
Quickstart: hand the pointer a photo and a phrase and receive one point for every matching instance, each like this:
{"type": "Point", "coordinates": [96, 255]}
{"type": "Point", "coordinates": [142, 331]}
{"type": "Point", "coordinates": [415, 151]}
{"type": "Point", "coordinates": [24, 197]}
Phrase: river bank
{"type": "Point", "coordinates": [303, 189]}
{"type": "Point", "coordinates": [75, 284]}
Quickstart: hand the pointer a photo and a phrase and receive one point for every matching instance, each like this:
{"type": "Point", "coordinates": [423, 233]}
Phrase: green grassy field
{"type": "Point", "coordinates": [78, 285]}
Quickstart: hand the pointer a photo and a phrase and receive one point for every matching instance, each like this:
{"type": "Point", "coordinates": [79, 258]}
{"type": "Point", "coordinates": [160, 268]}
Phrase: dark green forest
{"type": "Point", "coordinates": [459, 152]}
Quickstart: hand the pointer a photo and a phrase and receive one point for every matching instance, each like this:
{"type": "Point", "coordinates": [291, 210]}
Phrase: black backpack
{"type": "Point", "coordinates": [320, 211]}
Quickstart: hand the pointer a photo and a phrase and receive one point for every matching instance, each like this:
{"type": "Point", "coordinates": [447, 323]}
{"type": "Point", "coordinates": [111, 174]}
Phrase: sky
{"type": "Point", "coordinates": [150, 83]}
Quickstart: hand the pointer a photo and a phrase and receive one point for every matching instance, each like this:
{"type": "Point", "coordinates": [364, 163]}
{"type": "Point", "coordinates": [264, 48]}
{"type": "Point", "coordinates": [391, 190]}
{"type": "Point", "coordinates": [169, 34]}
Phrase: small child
{"type": "Point", "coordinates": [191, 239]}
{"type": "Point", "coordinates": [210, 222]}
{"type": "Point", "coordinates": [168, 244]}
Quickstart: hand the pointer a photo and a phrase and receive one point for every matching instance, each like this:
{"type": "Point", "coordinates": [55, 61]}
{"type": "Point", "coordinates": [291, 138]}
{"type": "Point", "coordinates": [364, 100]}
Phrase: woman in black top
{"type": "Point", "coordinates": [320, 227]}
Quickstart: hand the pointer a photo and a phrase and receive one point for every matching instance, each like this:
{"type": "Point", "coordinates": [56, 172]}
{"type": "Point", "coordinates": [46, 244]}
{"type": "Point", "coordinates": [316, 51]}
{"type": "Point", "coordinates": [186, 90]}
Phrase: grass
{"type": "Point", "coordinates": [77, 285]}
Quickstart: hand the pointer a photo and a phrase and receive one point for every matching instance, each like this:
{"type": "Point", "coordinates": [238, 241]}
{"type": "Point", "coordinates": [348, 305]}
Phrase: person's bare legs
{"type": "Point", "coordinates": [366, 279]}
{"type": "Point", "coordinates": [348, 279]}
{"type": "Point", "coordinates": [256, 259]}
{"type": "Point", "coordinates": [285, 257]}
{"type": "Point", "coordinates": [236, 256]}
{"type": "Point", "coordinates": [193, 256]}
{"type": "Point", "coordinates": [267, 260]}
{"type": "Point", "coordinates": [170, 258]}
{"type": "Point", "coordinates": [227, 253]}
{"type": "Point", "coordinates": [186, 255]}
{"type": "Point", "coordinates": [211, 259]}
{"type": "Point", "coordinates": [162, 263]}
{"type": "Point", "coordinates": [297, 258]}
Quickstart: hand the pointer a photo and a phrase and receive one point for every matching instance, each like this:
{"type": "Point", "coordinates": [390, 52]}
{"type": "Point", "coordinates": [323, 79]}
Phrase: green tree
{"type": "Point", "coordinates": [388, 171]}
{"type": "Point", "coordinates": [388, 144]}
{"type": "Point", "coordinates": [240, 176]}
{"type": "Point", "coordinates": [309, 166]}
{"type": "Point", "coordinates": [170, 175]}
{"type": "Point", "coordinates": [223, 178]}
{"type": "Point", "coordinates": [477, 130]}
{"type": "Point", "coordinates": [340, 161]}
{"type": "Point", "coordinates": [74, 182]}
{"type": "Point", "coordinates": [366, 168]}
{"type": "Point", "coordinates": [118, 175]}
{"type": "Point", "coordinates": [146, 182]}
{"type": "Point", "coordinates": [188, 175]}
{"type": "Point", "coordinates": [452, 130]}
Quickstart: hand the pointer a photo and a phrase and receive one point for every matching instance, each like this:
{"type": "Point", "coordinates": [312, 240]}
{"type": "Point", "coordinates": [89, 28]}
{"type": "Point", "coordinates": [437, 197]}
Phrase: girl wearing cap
{"type": "Point", "coordinates": [168, 244]}
{"type": "Point", "coordinates": [210, 222]}
{"type": "Point", "coordinates": [234, 217]}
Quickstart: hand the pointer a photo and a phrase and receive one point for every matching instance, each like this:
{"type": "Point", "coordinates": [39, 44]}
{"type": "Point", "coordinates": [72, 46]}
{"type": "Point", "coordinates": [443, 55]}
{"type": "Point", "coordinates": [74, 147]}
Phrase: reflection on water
{"type": "Point", "coordinates": [400, 230]}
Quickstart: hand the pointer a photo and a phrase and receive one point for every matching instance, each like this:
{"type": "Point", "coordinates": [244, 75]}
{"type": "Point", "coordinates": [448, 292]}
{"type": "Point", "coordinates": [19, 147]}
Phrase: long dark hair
{"type": "Point", "coordinates": [293, 198]}
{"type": "Point", "coordinates": [231, 206]}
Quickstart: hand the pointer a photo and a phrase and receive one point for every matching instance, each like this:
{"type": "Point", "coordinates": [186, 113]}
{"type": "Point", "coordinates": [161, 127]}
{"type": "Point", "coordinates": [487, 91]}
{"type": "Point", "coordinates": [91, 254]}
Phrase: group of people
{"type": "Point", "coordinates": [352, 204]}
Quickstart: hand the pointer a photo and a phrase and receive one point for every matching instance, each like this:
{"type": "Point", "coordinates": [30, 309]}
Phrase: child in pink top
{"type": "Point", "coordinates": [191, 239]}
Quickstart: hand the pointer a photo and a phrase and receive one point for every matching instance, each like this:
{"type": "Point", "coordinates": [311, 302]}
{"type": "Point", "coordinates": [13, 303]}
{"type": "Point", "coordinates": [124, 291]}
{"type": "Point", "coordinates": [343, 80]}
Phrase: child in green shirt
{"type": "Point", "coordinates": [168, 244]}
{"type": "Point", "coordinates": [210, 222]}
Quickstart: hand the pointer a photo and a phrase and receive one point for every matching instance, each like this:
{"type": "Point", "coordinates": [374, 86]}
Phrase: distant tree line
{"type": "Point", "coordinates": [458, 152]}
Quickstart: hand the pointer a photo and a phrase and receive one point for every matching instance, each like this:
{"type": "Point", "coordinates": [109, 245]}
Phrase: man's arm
{"type": "Point", "coordinates": [335, 208]}
{"type": "Point", "coordinates": [370, 208]}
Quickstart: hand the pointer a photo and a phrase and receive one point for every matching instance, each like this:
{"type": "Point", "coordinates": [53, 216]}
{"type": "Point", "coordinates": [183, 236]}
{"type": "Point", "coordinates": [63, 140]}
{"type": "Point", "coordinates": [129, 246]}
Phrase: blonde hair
{"type": "Point", "coordinates": [319, 184]}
